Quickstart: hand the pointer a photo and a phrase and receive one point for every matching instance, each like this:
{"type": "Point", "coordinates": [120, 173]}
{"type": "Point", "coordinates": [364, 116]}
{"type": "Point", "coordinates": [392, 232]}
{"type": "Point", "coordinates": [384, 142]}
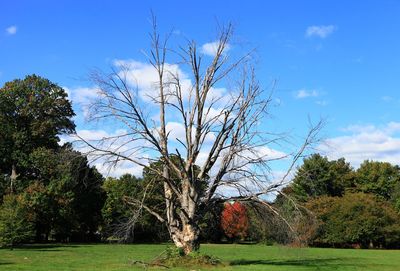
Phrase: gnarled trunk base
{"type": "Point", "coordinates": [187, 239]}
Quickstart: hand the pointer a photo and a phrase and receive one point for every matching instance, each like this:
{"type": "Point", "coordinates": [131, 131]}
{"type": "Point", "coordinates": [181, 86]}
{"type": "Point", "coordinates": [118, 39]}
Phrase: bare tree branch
{"type": "Point", "coordinates": [224, 143]}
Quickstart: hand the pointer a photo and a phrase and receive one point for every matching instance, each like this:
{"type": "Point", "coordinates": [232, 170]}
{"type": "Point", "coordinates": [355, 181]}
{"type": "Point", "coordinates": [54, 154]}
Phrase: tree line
{"type": "Point", "coordinates": [339, 206]}
{"type": "Point", "coordinates": [50, 192]}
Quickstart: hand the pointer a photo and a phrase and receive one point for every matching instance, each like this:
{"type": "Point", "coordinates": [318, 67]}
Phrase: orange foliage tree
{"type": "Point", "coordinates": [234, 220]}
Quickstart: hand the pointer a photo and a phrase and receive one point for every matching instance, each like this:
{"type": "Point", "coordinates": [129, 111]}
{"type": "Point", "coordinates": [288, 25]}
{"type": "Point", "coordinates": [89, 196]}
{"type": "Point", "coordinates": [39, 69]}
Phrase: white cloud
{"type": "Point", "coordinates": [392, 127]}
{"type": "Point", "coordinates": [120, 145]}
{"type": "Point", "coordinates": [271, 154]}
{"type": "Point", "coordinates": [366, 142]}
{"type": "Point", "coordinates": [82, 95]}
{"type": "Point", "coordinates": [217, 93]}
{"type": "Point", "coordinates": [321, 31]}
{"type": "Point", "coordinates": [304, 93]}
{"type": "Point", "coordinates": [97, 134]}
{"type": "Point", "coordinates": [356, 128]}
{"type": "Point", "coordinates": [90, 135]}
{"type": "Point", "coordinates": [322, 103]}
{"type": "Point", "coordinates": [68, 91]}
{"type": "Point", "coordinates": [12, 30]}
{"type": "Point", "coordinates": [176, 130]}
{"type": "Point", "coordinates": [210, 48]}
{"type": "Point", "coordinates": [144, 76]}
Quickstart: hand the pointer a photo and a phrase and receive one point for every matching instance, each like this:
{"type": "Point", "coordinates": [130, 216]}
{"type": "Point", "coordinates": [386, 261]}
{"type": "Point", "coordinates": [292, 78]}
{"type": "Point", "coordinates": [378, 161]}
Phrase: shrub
{"type": "Point", "coordinates": [15, 224]}
{"type": "Point", "coordinates": [356, 219]}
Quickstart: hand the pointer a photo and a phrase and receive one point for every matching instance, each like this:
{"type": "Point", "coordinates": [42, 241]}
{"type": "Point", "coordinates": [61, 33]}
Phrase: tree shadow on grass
{"type": "Point", "coordinates": [45, 247]}
{"type": "Point", "coordinates": [6, 263]}
{"type": "Point", "coordinates": [318, 262]}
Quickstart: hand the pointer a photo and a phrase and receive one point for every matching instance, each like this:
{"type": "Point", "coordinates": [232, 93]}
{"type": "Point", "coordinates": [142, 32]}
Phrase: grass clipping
{"type": "Point", "coordinates": [174, 257]}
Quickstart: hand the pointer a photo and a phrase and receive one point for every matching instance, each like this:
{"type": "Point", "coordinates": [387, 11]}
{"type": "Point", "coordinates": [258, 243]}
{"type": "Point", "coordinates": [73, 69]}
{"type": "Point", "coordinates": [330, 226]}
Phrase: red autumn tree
{"type": "Point", "coordinates": [234, 220]}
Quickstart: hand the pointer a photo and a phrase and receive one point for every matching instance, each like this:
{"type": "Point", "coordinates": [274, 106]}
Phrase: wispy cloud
{"type": "Point", "coordinates": [211, 48]}
{"type": "Point", "coordinates": [12, 30]}
{"type": "Point", "coordinates": [321, 31]}
{"type": "Point", "coordinates": [176, 32]}
{"type": "Point", "coordinates": [387, 99]}
{"type": "Point", "coordinates": [304, 93]}
{"type": "Point", "coordinates": [82, 97]}
{"type": "Point", "coordinates": [322, 103]}
{"type": "Point", "coordinates": [366, 142]}
{"type": "Point", "coordinates": [358, 60]}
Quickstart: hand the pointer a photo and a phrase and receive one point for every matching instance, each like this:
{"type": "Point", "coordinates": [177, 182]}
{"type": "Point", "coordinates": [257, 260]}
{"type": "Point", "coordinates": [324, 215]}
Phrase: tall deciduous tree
{"type": "Point", "coordinates": [33, 112]}
{"type": "Point", "coordinates": [221, 130]}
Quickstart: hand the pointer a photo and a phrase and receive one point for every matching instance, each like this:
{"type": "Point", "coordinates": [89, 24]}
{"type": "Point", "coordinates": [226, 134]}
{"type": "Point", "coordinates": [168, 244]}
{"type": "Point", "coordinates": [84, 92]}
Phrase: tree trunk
{"type": "Point", "coordinates": [187, 239]}
{"type": "Point", "coordinates": [13, 177]}
{"type": "Point", "coordinates": [182, 226]}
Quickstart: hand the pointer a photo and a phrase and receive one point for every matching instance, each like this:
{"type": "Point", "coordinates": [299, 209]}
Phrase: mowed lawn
{"type": "Point", "coordinates": [235, 257]}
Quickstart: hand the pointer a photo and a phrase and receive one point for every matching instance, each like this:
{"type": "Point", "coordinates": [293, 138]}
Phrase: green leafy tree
{"type": "Point", "coordinates": [260, 223]}
{"type": "Point", "coordinates": [356, 219]}
{"type": "Point", "coordinates": [115, 210]}
{"type": "Point", "coordinates": [120, 210]}
{"type": "Point", "coordinates": [62, 191]}
{"type": "Point", "coordinates": [318, 176]}
{"type": "Point", "coordinates": [33, 112]}
{"type": "Point", "coordinates": [15, 224]}
{"type": "Point", "coordinates": [379, 178]}
{"type": "Point", "coordinates": [67, 195]}
{"type": "Point", "coordinates": [4, 185]}
{"type": "Point", "coordinates": [295, 224]}
{"type": "Point", "coordinates": [85, 184]}
{"type": "Point", "coordinates": [395, 197]}
{"type": "Point", "coordinates": [210, 224]}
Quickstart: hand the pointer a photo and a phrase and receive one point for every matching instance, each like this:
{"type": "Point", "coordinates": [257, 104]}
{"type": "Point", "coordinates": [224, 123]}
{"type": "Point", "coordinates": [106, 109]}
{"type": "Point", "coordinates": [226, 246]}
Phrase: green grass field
{"type": "Point", "coordinates": [235, 257]}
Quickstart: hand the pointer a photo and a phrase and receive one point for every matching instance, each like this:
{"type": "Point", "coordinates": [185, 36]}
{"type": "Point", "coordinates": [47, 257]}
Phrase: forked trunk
{"type": "Point", "coordinates": [182, 224]}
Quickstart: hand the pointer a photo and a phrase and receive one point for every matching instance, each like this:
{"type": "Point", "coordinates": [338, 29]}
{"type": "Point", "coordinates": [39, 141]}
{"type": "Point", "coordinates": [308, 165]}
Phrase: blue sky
{"type": "Point", "coordinates": [338, 60]}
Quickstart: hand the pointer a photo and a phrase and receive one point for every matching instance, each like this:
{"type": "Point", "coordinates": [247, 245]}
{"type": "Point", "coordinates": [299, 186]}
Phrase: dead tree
{"type": "Point", "coordinates": [225, 130]}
